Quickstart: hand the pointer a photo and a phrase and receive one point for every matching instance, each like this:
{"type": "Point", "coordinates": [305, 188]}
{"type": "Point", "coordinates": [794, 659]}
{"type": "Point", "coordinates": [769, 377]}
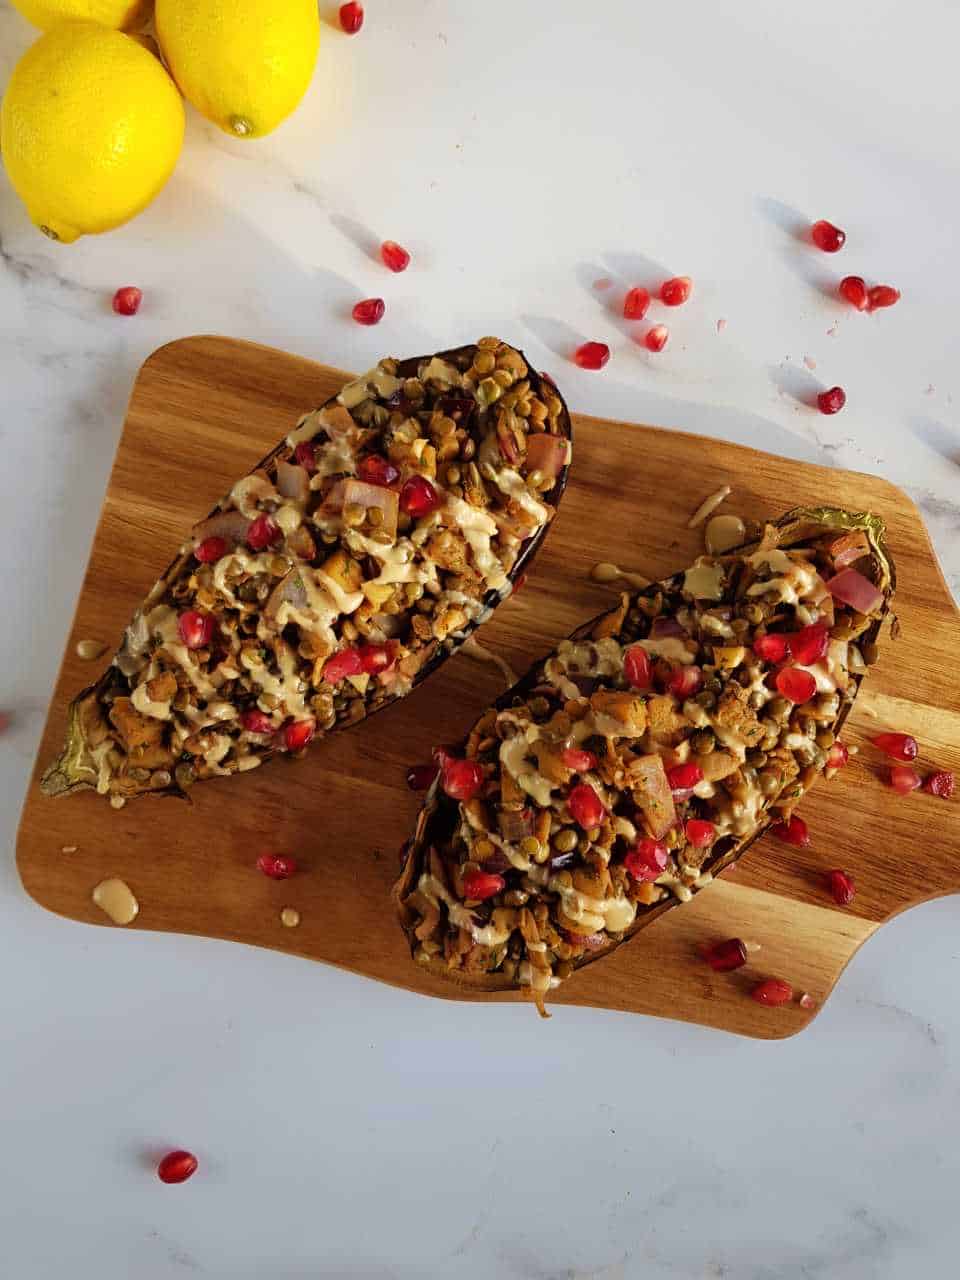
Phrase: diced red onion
{"type": "Point", "coordinates": [852, 588]}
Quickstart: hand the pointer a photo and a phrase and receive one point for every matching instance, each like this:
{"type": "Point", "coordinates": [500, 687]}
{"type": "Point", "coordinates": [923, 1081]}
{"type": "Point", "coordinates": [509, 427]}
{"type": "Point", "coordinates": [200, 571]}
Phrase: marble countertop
{"type": "Point", "coordinates": [522, 153]}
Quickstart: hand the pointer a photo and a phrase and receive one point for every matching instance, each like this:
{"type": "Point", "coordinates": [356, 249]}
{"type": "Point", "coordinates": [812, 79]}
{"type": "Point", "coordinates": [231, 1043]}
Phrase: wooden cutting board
{"type": "Point", "coordinates": [203, 411]}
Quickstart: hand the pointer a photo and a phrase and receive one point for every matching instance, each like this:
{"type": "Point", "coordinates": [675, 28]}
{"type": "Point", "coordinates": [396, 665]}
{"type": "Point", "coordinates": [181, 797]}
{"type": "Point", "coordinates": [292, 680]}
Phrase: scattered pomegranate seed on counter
{"type": "Point", "coordinates": [376, 470]}
{"type": "Point", "coordinates": [394, 256]}
{"type": "Point", "coordinates": [306, 456]}
{"type": "Point", "coordinates": [480, 885]}
{"type": "Point", "coordinates": [255, 721]}
{"type": "Point", "coordinates": [724, 956]}
{"type": "Point", "coordinates": [592, 355]}
{"type": "Point", "coordinates": [210, 550]}
{"type": "Point", "coordinates": [263, 532]}
{"type": "Point", "coordinates": [853, 289]}
{"type": "Point", "coordinates": [126, 301]}
{"type": "Point", "coordinates": [898, 746]}
{"type": "Point", "coordinates": [675, 292]}
{"type": "Point", "coordinates": [827, 237]}
{"type": "Point", "coordinates": [418, 497]}
{"type": "Point", "coordinates": [792, 832]}
{"type": "Point", "coordinates": [903, 779]}
{"type": "Point", "coordinates": [369, 311]}
{"type": "Point", "coordinates": [298, 734]}
{"type": "Point", "coordinates": [647, 859]}
{"type": "Point", "coordinates": [177, 1166]}
{"type": "Point", "coordinates": [635, 304]}
{"type": "Point", "coordinates": [772, 991]}
{"type": "Point", "coordinates": [276, 866]}
{"type": "Point", "coordinates": [655, 339]}
{"type": "Point", "coordinates": [807, 1001]}
{"type": "Point", "coordinates": [882, 295]}
{"type": "Point", "coordinates": [586, 807]}
{"type": "Point", "coordinates": [351, 17]}
{"type": "Point", "coordinates": [700, 833]}
{"type": "Point", "coordinates": [637, 667]}
{"type": "Point", "coordinates": [831, 401]}
{"type": "Point", "coordinates": [796, 684]}
{"type": "Point", "coordinates": [578, 761]}
{"type": "Point", "coordinates": [421, 776]}
{"type": "Point", "coordinates": [196, 628]}
{"type": "Point", "coordinates": [941, 783]}
{"type": "Point", "coordinates": [842, 887]}
{"type": "Point", "coordinates": [461, 779]}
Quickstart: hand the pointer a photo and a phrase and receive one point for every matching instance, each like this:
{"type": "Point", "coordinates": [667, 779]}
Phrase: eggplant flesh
{"type": "Point", "coordinates": [334, 578]}
{"type": "Point", "coordinates": [645, 755]}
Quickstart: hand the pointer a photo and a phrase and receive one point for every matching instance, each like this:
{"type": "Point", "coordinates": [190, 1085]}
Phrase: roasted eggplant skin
{"type": "Point", "coordinates": [74, 769]}
{"type": "Point", "coordinates": [796, 527]}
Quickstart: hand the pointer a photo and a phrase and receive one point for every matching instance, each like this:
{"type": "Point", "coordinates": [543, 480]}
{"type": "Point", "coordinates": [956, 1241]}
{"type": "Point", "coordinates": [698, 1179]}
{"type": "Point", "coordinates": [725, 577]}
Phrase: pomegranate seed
{"type": "Point", "coordinates": [461, 779]}
{"type": "Point", "coordinates": [810, 644]}
{"type": "Point", "coordinates": [254, 721]}
{"type": "Point", "coordinates": [655, 339]}
{"type": "Point", "coordinates": [898, 746]}
{"type": "Point", "coordinates": [842, 887]}
{"type": "Point", "coordinates": [578, 761]}
{"type": "Point", "coordinates": [882, 295]}
{"type": "Point", "coordinates": [586, 807]}
{"type": "Point", "coordinates": [683, 778]}
{"type": "Point", "coordinates": [482, 885]}
{"type": "Point", "coordinates": [724, 956]}
{"type": "Point", "coordinates": [772, 991]}
{"type": "Point", "coordinates": [675, 292]}
{"type": "Point", "coordinates": [772, 647]}
{"type": "Point", "coordinates": [637, 667]}
{"type": "Point", "coordinates": [854, 290]}
{"type": "Point", "coordinates": [684, 682]}
{"type": "Point", "coordinates": [794, 831]}
{"type": "Point", "coordinates": [700, 833]}
{"type": "Point", "coordinates": [345, 663]}
{"type": "Point", "coordinates": [376, 470]}
{"type": "Point", "coordinates": [375, 658]}
{"type": "Point", "coordinates": [177, 1166]}
{"type": "Point", "coordinates": [421, 776]}
{"type": "Point", "coordinates": [837, 756]}
{"type": "Point", "coordinates": [305, 456]}
{"type": "Point", "coordinates": [297, 734]}
{"type": "Point", "coordinates": [941, 784]}
{"type": "Point", "coordinates": [806, 1001]}
{"type": "Point", "coordinates": [196, 628]}
{"type": "Point", "coordinates": [592, 355]}
{"type": "Point", "coordinates": [262, 533]}
{"type": "Point", "coordinates": [394, 256]}
{"type": "Point", "coordinates": [903, 779]}
{"type": "Point", "coordinates": [276, 866]}
{"type": "Point", "coordinates": [211, 549]}
{"type": "Point", "coordinates": [795, 684]}
{"type": "Point", "coordinates": [418, 497]}
{"type": "Point", "coordinates": [126, 301]}
{"type": "Point", "coordinates": [370, 311]}
{"type": "Point", "coordinates": [827, 237]}
{"type": "Point", "coordinates": [635, 304]}
{"type": "Point", "coordinates": [520, 583]}
{"type": "Point", "coordinates": [351, 17]}
{"type": "Point", "coordinates": [831, 401]}
{"type": "Point", "coordinates": [647, 859]}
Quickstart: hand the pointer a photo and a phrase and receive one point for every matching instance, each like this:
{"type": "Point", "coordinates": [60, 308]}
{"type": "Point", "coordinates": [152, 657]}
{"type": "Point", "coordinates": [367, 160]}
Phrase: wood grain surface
{"type": "Point", "coordinates": [203, 411]}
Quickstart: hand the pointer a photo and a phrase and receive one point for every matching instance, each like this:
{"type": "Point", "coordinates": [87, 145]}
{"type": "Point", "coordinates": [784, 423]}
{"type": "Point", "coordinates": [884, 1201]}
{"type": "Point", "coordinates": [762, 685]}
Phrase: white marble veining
{"type": "Point", "coordinates": [521, 152]}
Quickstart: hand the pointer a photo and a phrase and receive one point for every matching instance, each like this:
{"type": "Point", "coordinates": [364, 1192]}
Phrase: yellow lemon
{"type": "Point", "coordinates": [245, 64]}
{"type": "Point", "coordinates": [91, 127]}
{"type": "Point", "coordinates": [124, 14]}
